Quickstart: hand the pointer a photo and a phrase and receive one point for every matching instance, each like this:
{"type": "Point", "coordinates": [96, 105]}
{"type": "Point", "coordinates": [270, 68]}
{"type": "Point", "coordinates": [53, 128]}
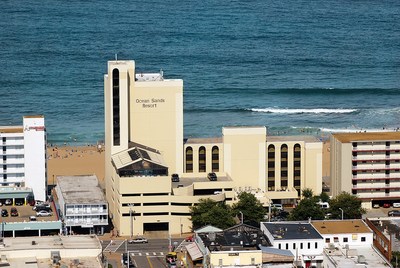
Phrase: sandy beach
{"type": "Point", "coordinates": [71, 160]}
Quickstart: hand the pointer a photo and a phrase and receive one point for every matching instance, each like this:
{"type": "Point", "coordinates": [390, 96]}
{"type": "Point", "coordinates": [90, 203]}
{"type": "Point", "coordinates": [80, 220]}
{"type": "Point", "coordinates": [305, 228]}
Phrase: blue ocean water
{"type": "Point", "coordinates": [295, 66]}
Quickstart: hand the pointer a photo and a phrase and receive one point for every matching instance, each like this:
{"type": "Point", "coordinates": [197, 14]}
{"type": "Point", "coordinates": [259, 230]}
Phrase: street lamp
{"type": "Point", "coordinates": [342, 212]}
{"type": "Point", "coordinates": [269, 210]}
{"type": "Point", "coordinates": [241, 217]}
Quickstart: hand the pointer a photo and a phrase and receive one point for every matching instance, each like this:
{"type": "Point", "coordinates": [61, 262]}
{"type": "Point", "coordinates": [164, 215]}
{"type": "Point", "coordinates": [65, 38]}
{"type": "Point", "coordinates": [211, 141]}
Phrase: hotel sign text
{"type": "Point", "coordinates": [149, 103]}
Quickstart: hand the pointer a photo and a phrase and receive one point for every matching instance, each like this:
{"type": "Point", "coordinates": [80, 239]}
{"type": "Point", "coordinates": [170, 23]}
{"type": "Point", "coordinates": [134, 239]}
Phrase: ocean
{"type": "Point", "coordinates": [297, 66]}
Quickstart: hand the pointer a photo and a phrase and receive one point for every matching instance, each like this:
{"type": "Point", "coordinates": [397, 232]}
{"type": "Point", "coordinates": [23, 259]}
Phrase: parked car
{"type": "Point", "coordinates": [138, 240]}
{"type": "Point", "coordinates": [212, 176]}
{"type": "Point", "coordinates": [4, 212]}
{"type": "Point", "coordinates": [19, 202]}
{"type": "Point", "coordinates": [396, 205]}
{"type": "Point", "coordinates": [14, 212]}
{"type": "Point", "coordinates": [43, 213]}
{"type": "Point", "coordinates": [386, 205]}
{"type": "Point", "coordinates": [8, 202]}
{"type": "Point", "coordinates": [42, 207]}
{"type": "Point", "coordinates": [277, 206]}
{"type": "Point", "coordinates": [175, 177]}
{"type": "Point", "coordinates": [376, 206]}
{"type": "Point", "coordinates": [32, 218]}
{"type": "Point", "coordinates": [394, 213]}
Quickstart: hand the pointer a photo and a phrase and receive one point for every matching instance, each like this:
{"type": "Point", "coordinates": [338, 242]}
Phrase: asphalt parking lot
{"type": "Point", "coordinates": [25, 212]}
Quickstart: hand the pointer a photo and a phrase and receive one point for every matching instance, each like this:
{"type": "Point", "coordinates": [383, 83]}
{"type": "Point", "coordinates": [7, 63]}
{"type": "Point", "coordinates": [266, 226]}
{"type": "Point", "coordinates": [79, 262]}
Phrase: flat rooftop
{"type": "Point", "coordinates": [203, 140]}
{"type": "Point", "coordinates": [341, 227]}
{"type": "Point", "coordinates": [11, 129]}
{"type": "Point", "coordinates": [367, 136]}
{"type": "Point", "coordinates": [80, 189]}
{"type": "Point", "coordinates": [186, 181]}
{"type": "Point", "coordinates": [356, 256]}
{"type": "Point", "coordinates": [293, 138]}
{"type": "Point", "coordinates": [290, 231]}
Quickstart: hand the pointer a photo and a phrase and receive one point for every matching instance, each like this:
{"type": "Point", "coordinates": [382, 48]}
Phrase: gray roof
{"type": "Point", "coordinates": [290, 231]}
{"type": "Point", "coordinates": [83, 189]}
{"type": "Point", "coordinates": [276, 251]}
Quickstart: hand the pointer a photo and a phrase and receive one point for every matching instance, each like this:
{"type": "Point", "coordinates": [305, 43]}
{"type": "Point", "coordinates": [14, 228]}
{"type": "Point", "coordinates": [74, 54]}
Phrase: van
{"type": "Point", "coordinates": [277, 206]}
{"type": "Point", "coordinates": [396, 205]}
{"type": "Point", "coordinates": [324, 205]}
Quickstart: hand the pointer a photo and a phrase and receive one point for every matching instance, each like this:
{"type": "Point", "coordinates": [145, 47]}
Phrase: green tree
{"type": "Point", "coordinates": [307, 193]}
{"type": "Point", "coordinates": [307, 208]}
{"type": "Point", "coordinates": [208, 211]}
{"type": "Point", "coordinates": [324, 197]}
{"type": "Point", "coordinates": [251, 207]}
{"type": "Point", "coordinates": [350, 204]}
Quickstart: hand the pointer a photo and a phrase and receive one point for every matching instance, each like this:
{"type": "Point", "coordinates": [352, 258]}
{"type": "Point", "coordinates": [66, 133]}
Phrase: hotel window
{"type": "Point", "coordinates": [202, 159]}
{"type": "Point", "coordinates": [316, 244]}
{"type": "Point", "coordinates": [327, 240]}
{"type": "Point", "coordinates": [308, 245]}
{"type": "Point", "coordinates": [294, 245]}
{"type": "Point", "coordinates": [271, 168]}
{"type": "Point", "coordinates": [297, 168]}
{"type": "Point", "coordinates": [189, 160]}
{"type": "Point", "coordinates": [287, 245]}
{"type": "Point", "coordinates": [336, 239]}
{"type": "Point", "coordinates": [301, 245]}
{"type": "Point", "coordinates": [116, 108]}
{"type": "Point", "coordinates": [284, 166]}
{"type": "Point", "coordinates": [279, 245]}
{"type": "Point", "coordinates": [215, 159]}
{"type": "Point", "coordinates": [345, 239]}
{"type": "Point", "coordinates": [253, 261]}
{"type": "Point", "coordinates": [363, 239]}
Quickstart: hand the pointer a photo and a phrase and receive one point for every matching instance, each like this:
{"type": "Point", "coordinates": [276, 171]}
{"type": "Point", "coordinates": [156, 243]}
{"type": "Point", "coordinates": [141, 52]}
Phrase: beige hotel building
{"type": "Point", "coordinates": [145, 144]}
{"type": "Point", "coordinates": [367, 165]}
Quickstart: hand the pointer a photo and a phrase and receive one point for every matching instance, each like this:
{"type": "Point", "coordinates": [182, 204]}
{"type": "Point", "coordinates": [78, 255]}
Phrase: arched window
{"type": "Point", "coordinates": [297, 168]}
{"type": "Point", "coordinates": [202, 159]}
{"type": "Point", "coordinates": [271, 168]}
{"type": "Point", "coordinates": [215, 159]}
{"type": "Point", "coordinates": [284, 166]}
{"type": "Point", "coordinates": [116, 109]}
{"type": "Point", "coordinates": [189, 160]}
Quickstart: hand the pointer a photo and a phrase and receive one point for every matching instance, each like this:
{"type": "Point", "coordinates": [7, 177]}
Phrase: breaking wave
{"type": "Point", "coordinates": [304, 111]}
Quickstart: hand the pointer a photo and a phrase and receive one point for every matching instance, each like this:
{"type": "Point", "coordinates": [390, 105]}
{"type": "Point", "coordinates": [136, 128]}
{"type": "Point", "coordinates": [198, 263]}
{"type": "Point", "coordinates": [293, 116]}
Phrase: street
{"type": "Point", "coordinates": [151, 254]}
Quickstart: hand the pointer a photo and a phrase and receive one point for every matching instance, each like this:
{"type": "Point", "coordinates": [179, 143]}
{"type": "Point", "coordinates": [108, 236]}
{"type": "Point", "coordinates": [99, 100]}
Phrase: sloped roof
{"type": "Point", "coordinates": [137, 154]}
{"type": "Point", "coordinates": [208, 229]}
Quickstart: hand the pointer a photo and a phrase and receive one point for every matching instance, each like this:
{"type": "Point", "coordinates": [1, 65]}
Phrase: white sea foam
{"type": "Point", "coordinates": [302, 111]}
{"type": "Point", "coordinates": [354, 130]}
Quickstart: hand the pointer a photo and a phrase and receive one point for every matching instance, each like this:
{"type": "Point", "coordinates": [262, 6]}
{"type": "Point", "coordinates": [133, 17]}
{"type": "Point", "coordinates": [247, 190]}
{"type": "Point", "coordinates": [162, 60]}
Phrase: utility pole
{"type": "Point", "coordinates": [342, 212]}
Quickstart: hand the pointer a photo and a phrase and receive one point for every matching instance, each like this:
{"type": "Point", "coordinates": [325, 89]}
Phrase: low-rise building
{"type": "Point", "coordinates": [302, 239]}
{"type": "Point", "coordinates": [83, 207]}
{"type": "Point", "coordinates": [51, 251]}
{"type": "Point", "coordinates": [344, 233]}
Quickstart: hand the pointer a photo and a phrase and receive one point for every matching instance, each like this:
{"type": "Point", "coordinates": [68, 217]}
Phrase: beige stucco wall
{"type": "Point", "coordinates": [245, 156]}
{"type": "Point", "coordinates": [341, 166]}
{"type": "Point", "coordinates": [312, 178]}
{"type": "Point", "coordinates": [235, 258]}
{"type": "Point", "coordinates": [156, 119]}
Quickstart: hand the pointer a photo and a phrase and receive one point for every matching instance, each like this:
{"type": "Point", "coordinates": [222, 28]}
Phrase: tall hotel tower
{"type": "Point", "coordinates": [145, 146]}
{"type": "Point", "coordinates": [144, 143]}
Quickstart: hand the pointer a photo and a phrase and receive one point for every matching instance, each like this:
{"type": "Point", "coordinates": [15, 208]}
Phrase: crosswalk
{"type": "Point", "coordinates": [113, 246]}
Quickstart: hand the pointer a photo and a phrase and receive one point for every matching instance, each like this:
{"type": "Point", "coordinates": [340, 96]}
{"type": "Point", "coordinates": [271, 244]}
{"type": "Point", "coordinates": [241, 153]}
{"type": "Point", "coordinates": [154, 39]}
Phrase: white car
{"type": "Point", "coordinates": [137, 240]}
{"type": "Point", "coordinates": [43, 213]}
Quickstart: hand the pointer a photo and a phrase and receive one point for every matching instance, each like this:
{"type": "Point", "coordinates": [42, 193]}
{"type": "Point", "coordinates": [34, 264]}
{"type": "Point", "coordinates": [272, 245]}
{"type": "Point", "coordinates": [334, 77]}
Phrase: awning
{"type": "Point", "coordinates": [194, 251]}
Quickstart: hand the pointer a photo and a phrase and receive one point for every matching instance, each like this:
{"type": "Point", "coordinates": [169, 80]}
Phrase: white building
{"type": "Point", "coordinates": [346, 232]}
{"type": "Point", "coordinates": [23, 150]}
{"type": "Point", "coordinates": [82, 203]}
{"type": "Point", "coordinates": [305, 243]}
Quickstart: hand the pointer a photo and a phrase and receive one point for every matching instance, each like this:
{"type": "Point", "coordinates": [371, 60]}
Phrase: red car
{"type": "Point", "coordinates": [386, 205]}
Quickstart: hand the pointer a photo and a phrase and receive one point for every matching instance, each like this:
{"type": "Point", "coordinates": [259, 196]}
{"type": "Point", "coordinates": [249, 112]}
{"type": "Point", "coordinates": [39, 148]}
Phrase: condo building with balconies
{"type": "Point", "coordinates": [367, 165]}
{"type": "Point", "coordinates": [145, 145]}
{"type": "Point", "coordinates": [23, 155]}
